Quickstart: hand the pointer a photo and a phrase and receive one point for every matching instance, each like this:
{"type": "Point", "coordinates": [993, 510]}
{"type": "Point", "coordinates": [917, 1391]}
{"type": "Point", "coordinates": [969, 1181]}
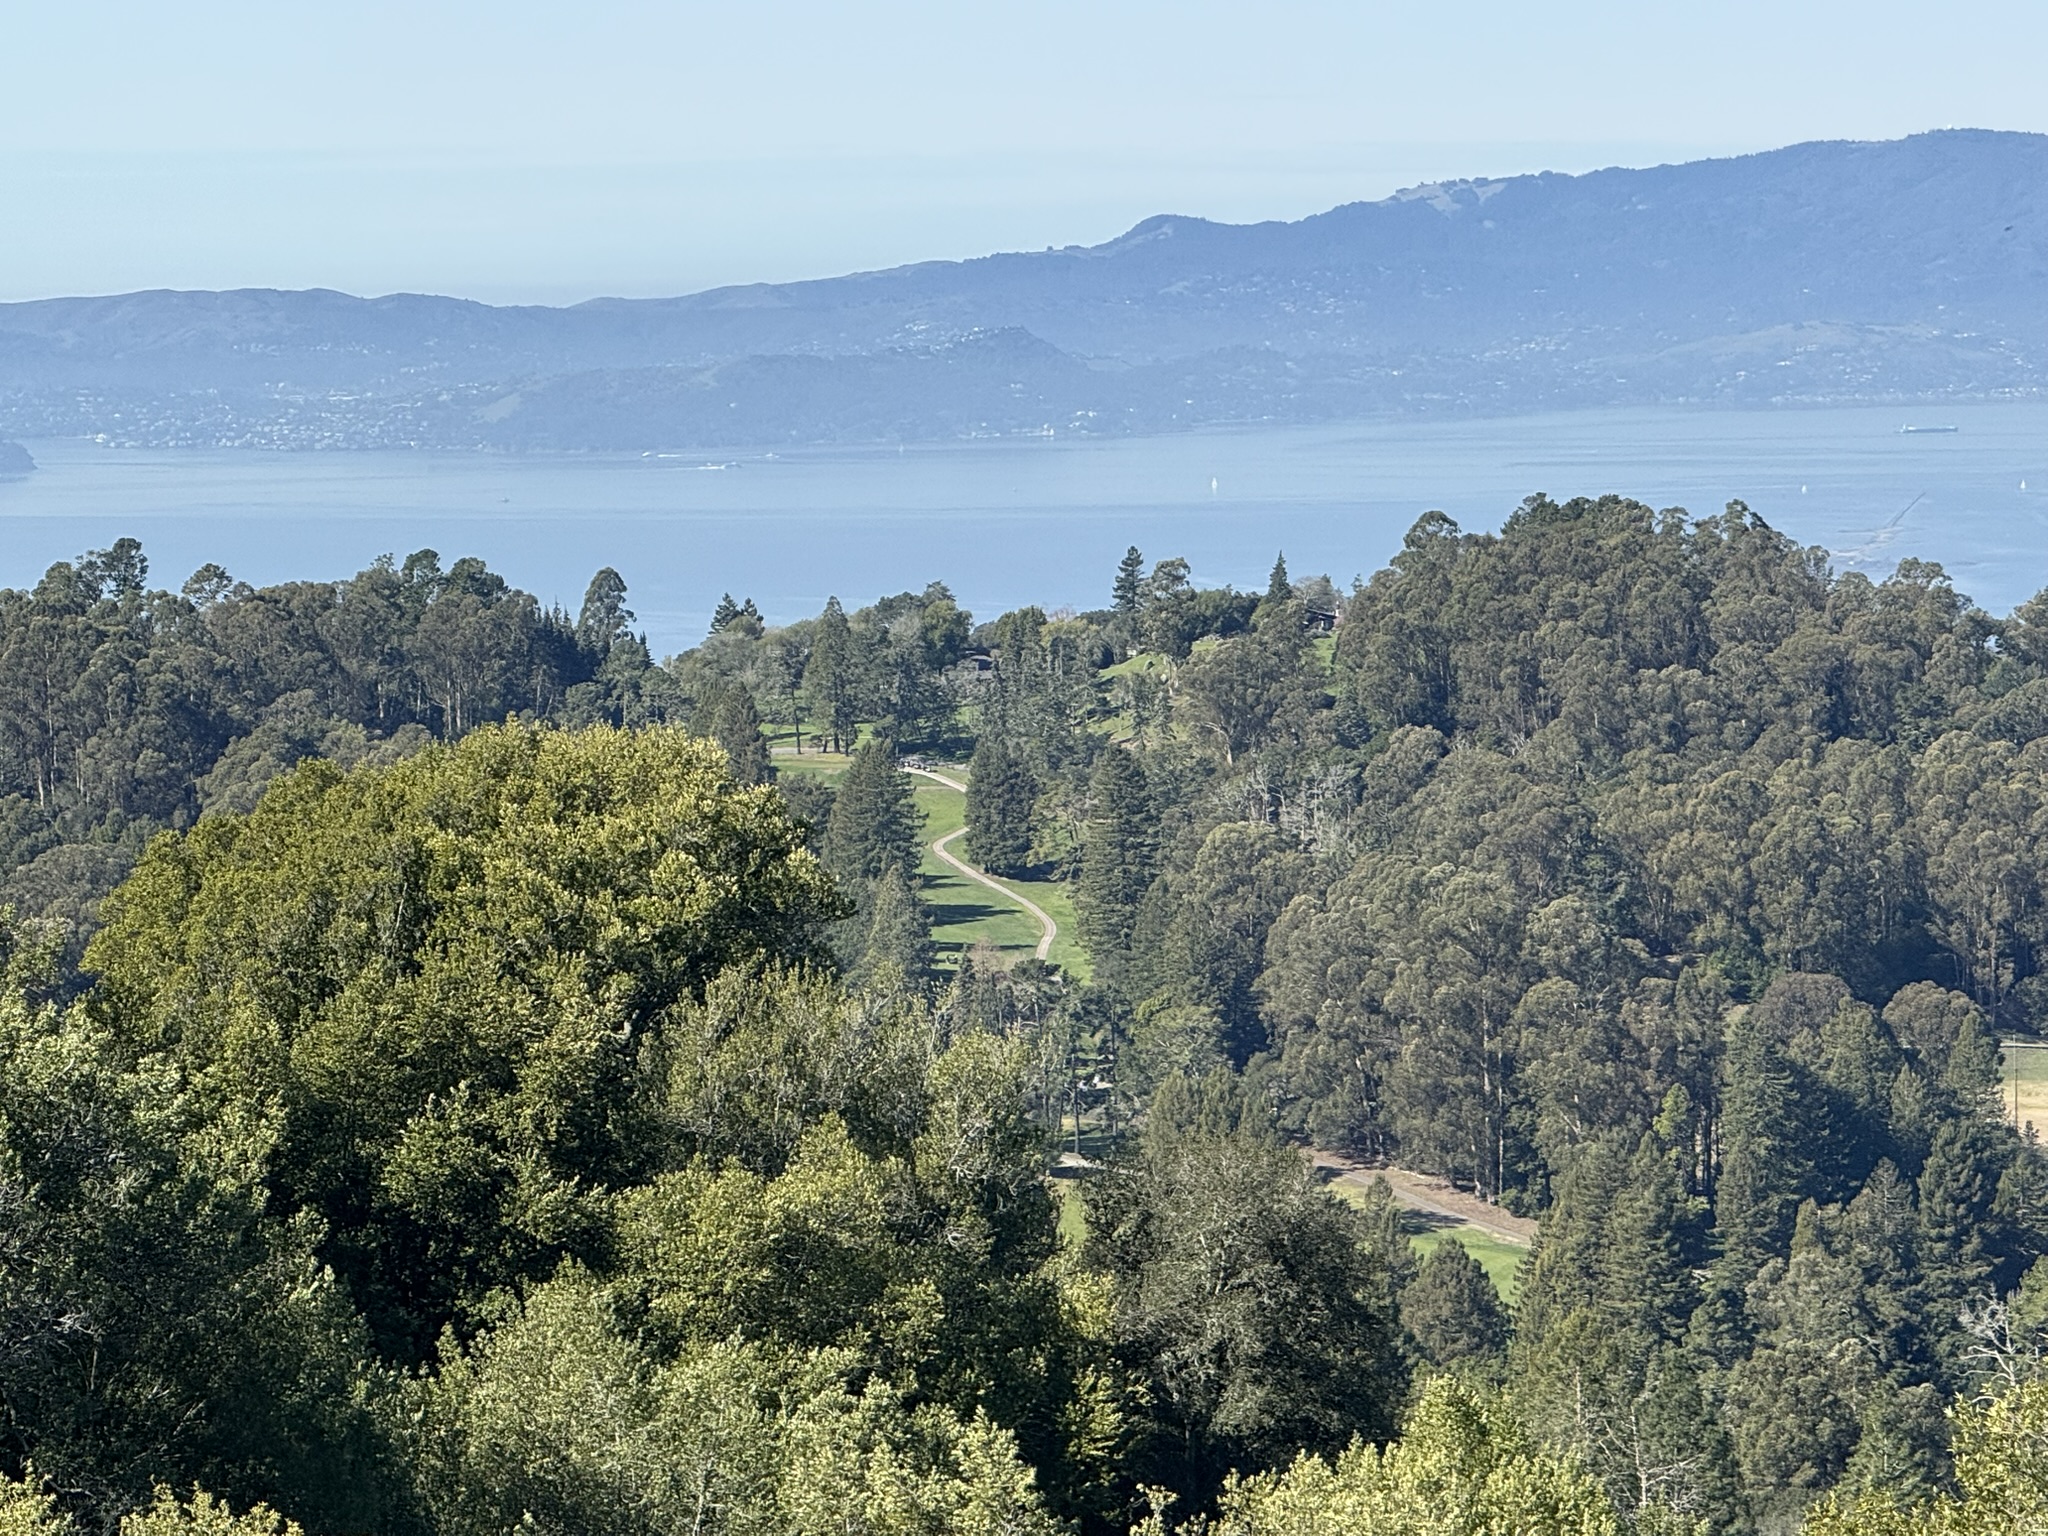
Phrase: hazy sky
{"type": "Point", "coordinates": [512, 150]}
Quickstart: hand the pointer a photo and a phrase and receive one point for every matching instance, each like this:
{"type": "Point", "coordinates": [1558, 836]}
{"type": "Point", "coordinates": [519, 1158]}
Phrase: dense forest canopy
{"type": "Point", "coordinates": [458, 1078]}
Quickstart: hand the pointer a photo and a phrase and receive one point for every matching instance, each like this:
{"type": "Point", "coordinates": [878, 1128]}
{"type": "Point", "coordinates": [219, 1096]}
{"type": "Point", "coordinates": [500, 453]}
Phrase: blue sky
{"type": "Point", "coordinates": [545, 153]}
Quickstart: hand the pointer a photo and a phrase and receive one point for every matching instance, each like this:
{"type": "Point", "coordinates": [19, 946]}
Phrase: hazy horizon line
{"type": "Point", "coordinates": [1425, 164]}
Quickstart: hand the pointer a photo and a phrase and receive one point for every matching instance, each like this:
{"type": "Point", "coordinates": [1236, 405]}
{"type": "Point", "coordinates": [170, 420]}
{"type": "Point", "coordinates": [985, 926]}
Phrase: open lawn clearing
{"type": "Point", "coordinates": [1432, 1196]}
{"type": "Point", "coordinates": [944, 798]}
{"type": "Point", "coordinates": [2025, 1097]}
{"type": "Point", "coordinates": [1438, 1210]}
{"type": "Point", "coordinates": [966, 910]}
{"type": "Point", "coordinates": [1501, 1260]}
{"type": "Point", "coordinates": [823, 765]}
{"type": "Point", "coordinates": [1056, 898]}
{"type": "Point", "coordinates": [1073, 1215]}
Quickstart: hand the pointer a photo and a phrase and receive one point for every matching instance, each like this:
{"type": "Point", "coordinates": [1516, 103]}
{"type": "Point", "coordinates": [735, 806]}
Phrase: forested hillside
{"type": "Point", "coordinates": [125, 710]}
{"type": "Point", "coordinates": [461, 1126]}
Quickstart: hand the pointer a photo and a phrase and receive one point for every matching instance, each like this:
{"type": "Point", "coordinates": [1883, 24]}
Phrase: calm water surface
{"type": "Point", "coordinates": [1044, 521]}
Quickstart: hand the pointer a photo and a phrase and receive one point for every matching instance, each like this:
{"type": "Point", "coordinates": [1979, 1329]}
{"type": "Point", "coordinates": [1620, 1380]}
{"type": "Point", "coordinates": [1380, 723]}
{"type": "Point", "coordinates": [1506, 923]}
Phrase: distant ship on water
{"type": "Point", "coordinates": [1911, 429]}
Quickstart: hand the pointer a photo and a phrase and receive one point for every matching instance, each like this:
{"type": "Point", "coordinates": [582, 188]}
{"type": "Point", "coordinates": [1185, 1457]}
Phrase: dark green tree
{"type": "Point", "coordinates": [899, 933]}
{"type": "Point", "coordinates": [1251, 1299]}
{"type": "Point", "coordinates": [875, 823]}
{"type": "Point", "coordinates": [1452, 1310]}
{"type": "Point", "coordinates": [1278, 588]}
{"type": "Point", "coordinates": [1002, 793]}
{"type": "Point", "coordinates": [1130, 582]}
{"type": "Point", "coordinates": [1767, 1161]}
{"type": "Point", "coordinates": [832, 677]}
{"type": "Point", "coordinates": [1119, 856]}
{"type": "Point", "coordinates": [729, 718]}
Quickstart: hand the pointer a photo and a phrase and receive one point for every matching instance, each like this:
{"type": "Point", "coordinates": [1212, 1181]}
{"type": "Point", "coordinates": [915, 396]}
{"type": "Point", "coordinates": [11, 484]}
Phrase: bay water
{"type": "Point", "coordinates": [1044, 520]}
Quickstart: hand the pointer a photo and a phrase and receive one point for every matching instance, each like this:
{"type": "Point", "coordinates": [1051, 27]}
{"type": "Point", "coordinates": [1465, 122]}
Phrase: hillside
{"type": "Point", "coordinates": [1825, 271]}
{"type": "Point", "coordinates": [444, 1120]}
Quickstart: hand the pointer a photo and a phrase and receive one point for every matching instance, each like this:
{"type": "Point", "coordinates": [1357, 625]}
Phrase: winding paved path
{"type": "Point", "coordinates": [1048, 929]}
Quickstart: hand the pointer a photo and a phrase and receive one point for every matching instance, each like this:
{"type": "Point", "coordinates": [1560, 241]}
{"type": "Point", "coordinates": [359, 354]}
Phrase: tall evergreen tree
{"type": "Point", "coordinates": [1766, 1160]}
{"type": "Point", "coordinates": [1278, 588]}
{"type": "Point", "coordinates": [874, 822]}
{"type": "Point", "coordinates": [1130, 581]}
{"type": "Point", "coordinates": [1594, 1362]}
{"type": "Point", "coordinates": [899, 935]}
{"type": "Point", "coordinates": [1001, 793]}
{"type": "Point", "coordinates": [1453, 1311]}
{"type": "Point", "coordinates": [734, 723]}
{"type": "Point", "coordinates": [831, 676]}
{"type": "Point", "coordinates": [1958, 1231]}
{"type": "Point", "coordinates": [1119, 856]}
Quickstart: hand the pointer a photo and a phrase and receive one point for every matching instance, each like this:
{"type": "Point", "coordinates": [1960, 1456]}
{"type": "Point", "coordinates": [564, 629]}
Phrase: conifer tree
{"type": "Point", "coordinates": [1001, 793]}
{"type": "Point", "coordinates": [1593, 1359]}
{"type": "Point", "coordinates": [874, 822]}
{"type": "Point", "coordinates": [1453, 1311]}
{"type": "Point", "coordinates": [899, 936]}
{"type": "Point", "coordinates": [735, 724]}
{"type": "Point", "coordinates": [1957, 1190]}
{"type": "Point", "coordinates": [1278, 588]}
{"type": "Point", "coordinates": [1130, 581]}
{"type": "Point", "coordinates": [1653, 1240]}
{"type": "Point", "coordinates": [829, 675]}
{"type": "Point", "coordinates": [723, 615]}
{"type": "Point", "coordinates": [1765, 1160]}
{"type": "Point", "coordinates": [1119, 855]}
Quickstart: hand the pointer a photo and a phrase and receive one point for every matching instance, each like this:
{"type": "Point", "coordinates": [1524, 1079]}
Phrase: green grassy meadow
{"type": "Point", "coordinates": [823, 765]}
{"type": "Point", "coordinates": [1502, 1260]}
{"type": "Point", "coordinates": [964, 911]}
{"type": "Point", "coordinates": [2026, 1085]}
{"type": "Point", "coordinates": [1073, 1216]}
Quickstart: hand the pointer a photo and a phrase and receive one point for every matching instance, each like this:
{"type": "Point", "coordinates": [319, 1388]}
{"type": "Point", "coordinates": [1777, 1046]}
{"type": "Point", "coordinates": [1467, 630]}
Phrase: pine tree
{"type": "Point", "coordinates": [1130, 581]}
{"type": "Point", "coordinates": [1766, 1161]}
{"type": "Point", "coordinates": [830, 675]}
{"type": "Point", "coordinates": [899, 936]}
{"type": "Point", "coordinates": [1119, 855]}
{"type": "Point", "coordinates": [1453, 1311]}
{"type": "Point", "coordinates": [1957, 1189]}
{"type": "Point", "coordinates": [874, 822]}
{"type": "Point", "coordinates": [1001, 794]}
{"type": "Point", "coordinates": [735, 724]}
{"type": "Point", "coordinates": [1603, 1295]}
{"type": "Point", "coordinates": [1278, 588]}
{"type": "Point", "coordinates": [723, 615]}
{"type": "Point", "coordinates": [1650, 1238]}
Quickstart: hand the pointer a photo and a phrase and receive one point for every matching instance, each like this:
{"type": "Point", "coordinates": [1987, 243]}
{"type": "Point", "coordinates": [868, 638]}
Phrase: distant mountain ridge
{"type": "Point", "coordinates": [1915, 268]}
